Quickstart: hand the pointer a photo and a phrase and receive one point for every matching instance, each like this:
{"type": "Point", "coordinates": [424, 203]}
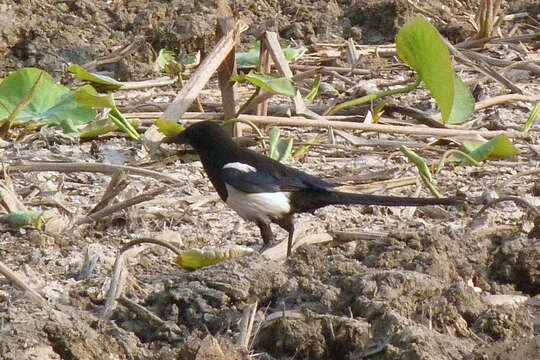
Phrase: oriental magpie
{"type": "Point", "coordinates": [265, 191]}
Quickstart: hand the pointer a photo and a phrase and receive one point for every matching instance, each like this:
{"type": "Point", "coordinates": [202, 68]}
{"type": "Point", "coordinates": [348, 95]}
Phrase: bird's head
{"type": "Point", "coordinates": [201, 135]}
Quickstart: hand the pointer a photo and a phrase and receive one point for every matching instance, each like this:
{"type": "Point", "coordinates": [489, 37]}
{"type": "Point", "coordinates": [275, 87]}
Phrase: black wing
{"type": "Point", "coordinates": [270, 176]}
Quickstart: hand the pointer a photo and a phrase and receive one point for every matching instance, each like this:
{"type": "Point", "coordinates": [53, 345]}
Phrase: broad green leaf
{"type": "Point", "coordinates": [168, 128]}
{"type": "Point", "coordinates": [497, 148]}
{"type": "Point", "coordinates": [52, 104]}
{"type": "Point", "coordinates": [463, 105]}
{"type": "Point", "coordinates": [250, 59]}
{"type": "Point", "coordinates": [421, 47]}
{"type": "Point", "coordinates": [313, 93]}
{"type": "Point", "coordinates": [33, 218]}
{"type": "Point", "coordinates": [271, 83]}
{"type": "Point", "coordinates": [100, 81]}
{"type": "Point", "coordinates": [532, 117]}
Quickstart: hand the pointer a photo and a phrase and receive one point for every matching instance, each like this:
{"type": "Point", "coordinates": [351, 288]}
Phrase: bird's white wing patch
{"type": "Point", "coordinates": [240, 166]}
{"type": "Point", "coordinates": [258, 206]}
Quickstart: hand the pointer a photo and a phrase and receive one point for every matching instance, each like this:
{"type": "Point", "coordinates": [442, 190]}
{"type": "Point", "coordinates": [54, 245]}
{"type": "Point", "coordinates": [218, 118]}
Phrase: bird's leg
{"type": "Point", "coordinates": [287, 223]}
{"type": "Point", "coordinates": [266, 234]}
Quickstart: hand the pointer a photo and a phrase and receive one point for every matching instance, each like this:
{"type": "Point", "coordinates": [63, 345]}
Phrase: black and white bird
{"type": "Point", "coordinates": [265, 191]}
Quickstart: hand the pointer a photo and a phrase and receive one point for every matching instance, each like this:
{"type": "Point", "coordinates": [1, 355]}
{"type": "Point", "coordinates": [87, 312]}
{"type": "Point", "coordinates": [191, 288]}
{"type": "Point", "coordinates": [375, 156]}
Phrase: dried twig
{"type": "Point", "coordinates": [246, 326]}
{"type": "Point", "coordinates": [18, 282]}
{"type": "Point", "coordinates": [119, 206]}
{"type": "Point", "coordinates": [120, 273]}
{"type": "Point", "coordinates": [110, 169]}
{"type": "Point", "coordinates": [515, 199]}
{"type": "Point", "coordinates": [117, 183]}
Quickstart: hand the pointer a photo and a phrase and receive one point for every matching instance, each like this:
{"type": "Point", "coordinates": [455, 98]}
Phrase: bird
{"type": "Point", "coordinates": [265, 191]}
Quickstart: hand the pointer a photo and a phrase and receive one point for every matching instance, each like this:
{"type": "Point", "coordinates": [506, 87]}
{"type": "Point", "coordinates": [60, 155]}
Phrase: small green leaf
{"type": "Point", "coordinates": [420, 46]}
{"type": "Point", "coordinates": [532, 117]}
{"type": "Point", "coordinates": [280, 149]}
{"type": "Point", "coordinates": [274, 140]}
{"type": "Point", "coordinates": [315, 90]}
{"type": "Point", "coordinates": [100, 81]}
{"type": "Point", "coordinates": [420, 163]}
{"type": "Point", "coordinates": [52, 104]}
{"type": "Point", "coordinates": [250, 59]}
{"type": "Point", "coordinates": [168, 128]}
{"type": "Point", "coordinates": [271, 83]}
{"type": "Point", "coordinates": [497, 148]}
{"type": "Point", "coordinates": [191, 60]}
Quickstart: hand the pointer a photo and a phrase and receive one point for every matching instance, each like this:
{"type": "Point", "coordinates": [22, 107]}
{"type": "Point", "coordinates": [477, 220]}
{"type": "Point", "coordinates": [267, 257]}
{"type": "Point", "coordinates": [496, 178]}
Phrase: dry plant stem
{"type": "Point", "coordinates": [117, 280]}
{"type": "Point", "coordinates": [201, 76]}
{"type": "Point", "coordinates": [517, 176]}
{"type": "Point", "coordinates": [457, 152]}
{"type": "Point", "coordinates": [246, 326]}
{"type": "Point", "coordinates": [482, 67]}
{"type": "Point", "coordinates": [114, 57]}
{"type": "Point", "coordinates": [227, 69]}
{"type": "Point", "coordinates": [390, 129]}
{"type": "Point", "coordinates": [110, 169]}
{"type": "Point", "coordinates": [135, 85]}
{"type": "Point", "coordinates": [142, 312]}
{"type": "Point", "coordinates": [119, 272]}
{"type": "Point", "coordinates": [119, 206]}
{"type": "Point", "coordinates": [117, 183]}
{"type": "Point", "coordinates": [271, 43]}
{"type": "Point", "coordinates": [505, 99]}
{"type": "Point", "coordinates": [140, 241]}
{"type": "Point", "coordinates": [17, 282]}
{"type": "Point", "coordinates": [515, 199]}
{"type": "Point", "coordinates": [330, 69]}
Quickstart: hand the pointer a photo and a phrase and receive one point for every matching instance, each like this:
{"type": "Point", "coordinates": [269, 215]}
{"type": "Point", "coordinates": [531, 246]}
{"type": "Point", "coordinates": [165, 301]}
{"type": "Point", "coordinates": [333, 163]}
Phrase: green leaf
{"type": "Point", "coordinates": [532, 117]}
{"type": "Point", "coordinates": [315, 90]}
{"type": "Point", "coordinates": [420, 163]}
{"type": "Point", "coordinates": [497, 148]}
{"type": "Point", "coordinates": [268, 82]}
{"type": "Point", "coordinates": [463, 105]}
{"type": "Point", "coordinates": [52, 104]}
{"type": "Point", "coordinates": [191, 60]}
{"type": "Point", "coordinates": [87, 95]}
{"type": "Point", "coordinates": [250, 59]}
{"type": "Point", "coordinates": [274, 139]}
{"type": "Point", "coordinates": [280, 150]}
{"type": "Point", "coordinates": [168, 128]}
{"type": "Point", "coordinates": [420, 46]}
{"type": "Point", "coordinates": [100, 81]}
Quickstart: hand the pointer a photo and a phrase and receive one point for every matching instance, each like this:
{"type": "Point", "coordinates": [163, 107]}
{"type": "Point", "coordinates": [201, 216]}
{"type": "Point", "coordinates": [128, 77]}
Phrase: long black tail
{"type": "Point", "coordinates": [320, 199]}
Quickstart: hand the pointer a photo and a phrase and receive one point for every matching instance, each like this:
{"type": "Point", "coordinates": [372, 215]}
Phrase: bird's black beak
{"type": "Point", "coordinates": [179, 139]}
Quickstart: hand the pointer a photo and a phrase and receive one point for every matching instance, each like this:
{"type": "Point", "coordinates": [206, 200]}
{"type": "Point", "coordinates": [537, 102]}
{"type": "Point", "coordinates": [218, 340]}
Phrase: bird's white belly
{"type": "Point", "coordinates": [258, 206]}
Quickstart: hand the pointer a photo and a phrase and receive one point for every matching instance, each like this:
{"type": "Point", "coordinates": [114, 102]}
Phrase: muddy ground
{"type": "Point", "coordinates": [425, 283]}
